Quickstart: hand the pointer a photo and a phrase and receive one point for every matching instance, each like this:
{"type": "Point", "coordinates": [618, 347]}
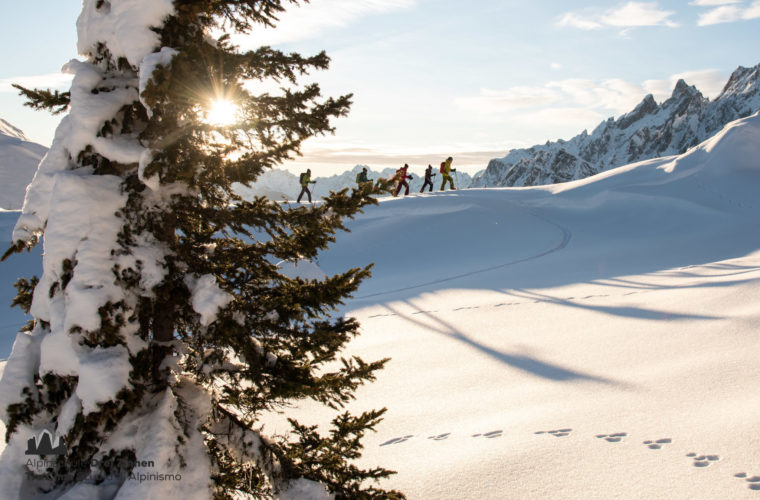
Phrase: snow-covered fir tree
{"type": "Point", "coordinates": [163, 327]}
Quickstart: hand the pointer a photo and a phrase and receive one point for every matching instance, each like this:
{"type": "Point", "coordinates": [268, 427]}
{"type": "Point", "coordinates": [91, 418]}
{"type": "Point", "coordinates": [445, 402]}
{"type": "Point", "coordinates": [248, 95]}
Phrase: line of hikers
{"type": "Point", "coordinates": [399, 178]}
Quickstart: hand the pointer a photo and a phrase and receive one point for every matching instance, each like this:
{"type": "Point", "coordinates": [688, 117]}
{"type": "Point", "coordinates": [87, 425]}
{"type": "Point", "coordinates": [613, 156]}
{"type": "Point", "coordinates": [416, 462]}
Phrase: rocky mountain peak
{"type": "Point", "coordinates": [684, 89]}
{"type": "Point", "coordinates": [647, 106]}
{"type": "Point", "coordinates": [742, 80]}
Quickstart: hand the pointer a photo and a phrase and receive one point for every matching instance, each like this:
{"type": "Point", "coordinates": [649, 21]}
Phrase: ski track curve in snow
{"type": "Point", "coordinates": [565, 239]}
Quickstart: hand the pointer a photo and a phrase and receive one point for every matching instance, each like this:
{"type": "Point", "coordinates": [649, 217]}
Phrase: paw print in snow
{"type": "Point", "coordinates": [557, 432]}
{"type": "Point", "coordinates": [440, 437]}
{"type": "Point", "coordinates": [489, 435]}
{"type": "Point", "coordinates": [613, 438]}
{"type": "Point", "coordinates": [398, 440]}
{"type": "Point", "coordinates": [656, 445]}
{"type": "Point", "coordinates": [703, 460]}
{"type": "Point", "coordinates": [754, 481]}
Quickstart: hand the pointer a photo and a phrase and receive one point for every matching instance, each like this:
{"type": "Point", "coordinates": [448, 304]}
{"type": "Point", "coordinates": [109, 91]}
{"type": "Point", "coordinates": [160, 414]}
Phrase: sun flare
{"type": "Point", "coordinates": [222, 113]}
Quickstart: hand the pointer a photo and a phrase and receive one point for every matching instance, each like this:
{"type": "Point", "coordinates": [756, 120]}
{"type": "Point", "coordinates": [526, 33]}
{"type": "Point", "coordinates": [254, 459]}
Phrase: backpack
{"type": "Point", "coordinates": [300, 179]}
{"type": "Point", "coordinates": [443, 167]}
{"type": "Point", "coordinates": [358, 177]}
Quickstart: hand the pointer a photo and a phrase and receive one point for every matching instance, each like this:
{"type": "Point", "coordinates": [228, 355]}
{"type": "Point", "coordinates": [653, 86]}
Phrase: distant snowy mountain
{"type": "Point", "coordinates": [651, 130]}
{"type": "Point", "coordinates": [19, 158]}
{"type": "Point", "coordinates": [277, 184]}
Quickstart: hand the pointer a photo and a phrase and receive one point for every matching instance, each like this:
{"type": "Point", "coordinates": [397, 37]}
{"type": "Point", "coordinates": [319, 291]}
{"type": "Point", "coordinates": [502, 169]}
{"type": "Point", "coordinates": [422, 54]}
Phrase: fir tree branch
{"type": "Point", "coordinates": [53, 101]}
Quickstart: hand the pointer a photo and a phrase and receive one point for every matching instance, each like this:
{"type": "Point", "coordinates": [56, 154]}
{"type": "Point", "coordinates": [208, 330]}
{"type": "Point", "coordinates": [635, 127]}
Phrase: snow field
{"type": "Point", "coordinates": [601, 343]}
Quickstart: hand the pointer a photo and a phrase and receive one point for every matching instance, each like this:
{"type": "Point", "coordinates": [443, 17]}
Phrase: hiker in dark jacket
{"type": "Point", "coordinates": [305, 180]}
{"type": "Point", "coordinates": [361, 178]}
{"type": "Point", "coordinates": [401, 178]}
{"type": "Point", "coordinates": [429, 174]}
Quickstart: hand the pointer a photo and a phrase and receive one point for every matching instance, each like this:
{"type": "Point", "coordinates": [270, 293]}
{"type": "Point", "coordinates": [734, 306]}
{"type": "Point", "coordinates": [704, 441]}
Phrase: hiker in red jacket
{"type": "Point", "coordinates": [401, 178]}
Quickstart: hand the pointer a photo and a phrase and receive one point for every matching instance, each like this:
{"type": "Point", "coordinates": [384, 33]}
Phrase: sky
{"type": "Point", "coordinates": [431, 78]}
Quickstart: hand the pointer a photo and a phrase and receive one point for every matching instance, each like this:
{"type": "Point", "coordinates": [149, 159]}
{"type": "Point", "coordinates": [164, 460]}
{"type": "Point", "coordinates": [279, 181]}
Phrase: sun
{"type": "Point", "coordinates": [222, 112]}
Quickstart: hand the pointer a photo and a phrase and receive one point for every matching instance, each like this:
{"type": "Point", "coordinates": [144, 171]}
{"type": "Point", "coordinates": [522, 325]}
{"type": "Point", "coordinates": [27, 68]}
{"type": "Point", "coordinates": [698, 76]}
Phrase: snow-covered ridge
{"type": "Point", "coordinates": [651, 130]}
{"type": "Point", "coordinates": [19, 158]}
{"type": "Point", "coordinates": [6, 129]}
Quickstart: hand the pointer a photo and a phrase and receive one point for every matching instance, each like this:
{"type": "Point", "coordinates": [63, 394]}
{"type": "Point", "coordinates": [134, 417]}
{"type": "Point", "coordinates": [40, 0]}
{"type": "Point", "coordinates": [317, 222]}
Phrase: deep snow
{"type": "Point", "coordinates": [596, 339]}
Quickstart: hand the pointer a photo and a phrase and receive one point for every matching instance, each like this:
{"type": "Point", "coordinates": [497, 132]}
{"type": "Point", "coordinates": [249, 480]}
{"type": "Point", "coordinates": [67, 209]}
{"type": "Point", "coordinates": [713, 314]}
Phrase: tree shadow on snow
{"type": "Point", "coordinates": [522, 362]}
{"type": "Point", "coordinates": [623, 311]}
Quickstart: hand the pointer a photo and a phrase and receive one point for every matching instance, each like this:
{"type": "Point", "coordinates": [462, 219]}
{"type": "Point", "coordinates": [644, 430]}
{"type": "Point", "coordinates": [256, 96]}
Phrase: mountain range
{"type": "Point", "coordinates": [651, 130]}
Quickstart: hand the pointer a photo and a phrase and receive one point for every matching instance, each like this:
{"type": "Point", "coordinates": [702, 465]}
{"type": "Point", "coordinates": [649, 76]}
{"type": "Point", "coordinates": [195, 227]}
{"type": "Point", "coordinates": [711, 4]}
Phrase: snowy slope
{"type": "Point", "coordinates": [651, 130]}
{"type": "Point", "coordinates": [18, 161]}
{"type": "Point", "coordinates": [596, 339]}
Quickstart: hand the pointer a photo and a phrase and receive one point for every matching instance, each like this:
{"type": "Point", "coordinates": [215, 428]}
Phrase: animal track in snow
{"type": "Point", "coordinates": [398, 440]}
{"type": "Point", "coordinates": [703, 460]}
{"type": "Point", "coordinates": [613, 438]}
{"type": "Point", "coordinates": [754, 480]}
{"type": "Point", "coordinates": [556, 432]}
{"type": "Point", "coordinates": [656, 445]}
{"type": "Point", "coordinates": [440, 437]}
{"type": "Point", "coordinates": [489, 435]}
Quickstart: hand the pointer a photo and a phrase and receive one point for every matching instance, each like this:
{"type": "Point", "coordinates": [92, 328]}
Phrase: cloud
{"type": "Point", "coordinates": [710, 3]}
{"type": "Point", "coordinates": [635, 14]}
{"type": "Point", "coordinates": [311, 19]}
{"type": "Point", "coordinates": [577, 21]}
{"type": "Point", "coordinates": [580, 100]}
{"type": "Point", "coordinates": [727, 11]}
{"type": "Point", "coordinates": [505, 100]}
{"type": "Point", "coordinates": [724, 14]}
{"type": "Point", "coordinates": [573, 118]}
{"type": "Point", "coordinates": [613, 95]}
{"type": "Point", "coordinates": [752, 12]}
{"type": "Point", "coordinates": [630, 15]}
{"type": "Point", "coordinates": [50, 80]}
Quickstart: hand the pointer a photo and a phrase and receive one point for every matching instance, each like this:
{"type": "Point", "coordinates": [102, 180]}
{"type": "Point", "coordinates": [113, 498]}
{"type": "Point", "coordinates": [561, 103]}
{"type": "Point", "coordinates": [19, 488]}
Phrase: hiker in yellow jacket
{"type": "Point", "coordinates": [446, 173]}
